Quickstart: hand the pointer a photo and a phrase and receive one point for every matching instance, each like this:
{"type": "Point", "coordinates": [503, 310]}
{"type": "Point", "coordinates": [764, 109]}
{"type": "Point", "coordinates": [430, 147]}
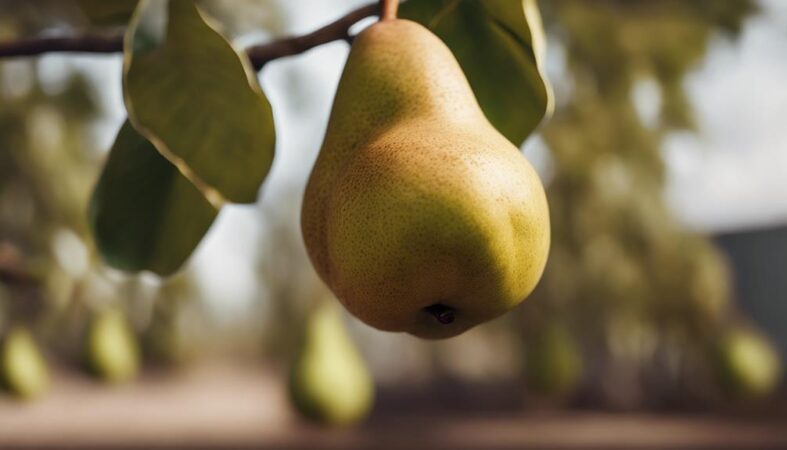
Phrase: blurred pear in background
{"type": "Point", "coordinates": [553, 362]}
{"type": "Point", "coordinates": [747, 364]}
{"type": "Point", "coordinates": [329, 381]}
{"type": "Point", "coordinates": [111, 348]}
{"type": "Point", "coordinates": [24, 370]}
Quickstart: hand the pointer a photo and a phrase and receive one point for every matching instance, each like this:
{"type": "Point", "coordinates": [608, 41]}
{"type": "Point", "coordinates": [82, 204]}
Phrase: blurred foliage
{"type": "Point", "coordinates": [633, 310]}
{"type": "Point", "coordinates": [49, 162]}
{"type": "Point", "coordinates": [644, 295]}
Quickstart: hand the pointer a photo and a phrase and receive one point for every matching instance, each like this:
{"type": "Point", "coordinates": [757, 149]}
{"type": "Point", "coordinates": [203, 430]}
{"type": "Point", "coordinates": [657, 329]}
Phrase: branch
{"type": "Point", "coordinates": [81, 44]}
{"type": "Point", "coordinates": [14, 276]}
{"type": "Point", "coordinates": [12, 270]}
{"type": "Point", "coordinates": [258, 54]}
{"type": "Point", "coordinates": [338, 30]}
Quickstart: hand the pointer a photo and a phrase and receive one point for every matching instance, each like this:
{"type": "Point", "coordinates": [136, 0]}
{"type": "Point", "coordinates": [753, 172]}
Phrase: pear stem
{"type": "Point", "coordinates": [388, 9]}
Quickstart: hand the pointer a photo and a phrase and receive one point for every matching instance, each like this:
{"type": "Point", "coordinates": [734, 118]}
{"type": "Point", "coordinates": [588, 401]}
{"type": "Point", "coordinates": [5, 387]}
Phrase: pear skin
{"type": "Point", "coordinates": [418, 214]}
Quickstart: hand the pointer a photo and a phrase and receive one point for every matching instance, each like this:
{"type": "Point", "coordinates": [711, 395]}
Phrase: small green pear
{"type": "Point", "coordinates": [24, 370]}
{"type": "Point", "coordinates": [329, 382]}
{"type": "Point", "coordinates": [748, 366]}
{"type": "Point", "coordinates": [419, 215]}
{"type": "Point", "coordinates": [111, 348]}
{"type": "Point", "coordinates": [553, 362]}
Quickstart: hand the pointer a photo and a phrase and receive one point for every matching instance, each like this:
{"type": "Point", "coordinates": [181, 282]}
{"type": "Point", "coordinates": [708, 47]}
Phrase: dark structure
{"type": "Point", "coordinates": [759, 260]}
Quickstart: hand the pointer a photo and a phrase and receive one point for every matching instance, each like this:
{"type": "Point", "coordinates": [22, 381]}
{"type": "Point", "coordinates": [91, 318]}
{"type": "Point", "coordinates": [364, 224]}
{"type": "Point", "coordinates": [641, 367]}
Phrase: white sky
{"type": "Point", "coordinates": [734, 174]}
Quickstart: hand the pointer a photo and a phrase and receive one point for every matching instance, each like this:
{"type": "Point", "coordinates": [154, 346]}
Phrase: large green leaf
{"type": "Point", "coordinates": [144, 213]}
{"type": "Point", "coordinates": [197, 99]}
{"type": "Point", "coordinates": [500, 46]}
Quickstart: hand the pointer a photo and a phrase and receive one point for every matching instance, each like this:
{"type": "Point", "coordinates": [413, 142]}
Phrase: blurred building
{"type": "Point", "coordinates": [759, 261]}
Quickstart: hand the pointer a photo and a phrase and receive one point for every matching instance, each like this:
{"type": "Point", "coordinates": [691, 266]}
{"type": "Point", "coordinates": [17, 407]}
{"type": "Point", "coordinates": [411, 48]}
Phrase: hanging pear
{"type": "Point", "coordinates": [553, 362]}
{"type": "Point", "coordinates": [419, 215]}
{"type": "Point", "coordinates": [747, 364]}
{"type": "Point", "coordinates": [24, 370]}
{"type": "Point", "coordinates": [329, 382]}
{"type": "Point", "coordinates": [111, 347]}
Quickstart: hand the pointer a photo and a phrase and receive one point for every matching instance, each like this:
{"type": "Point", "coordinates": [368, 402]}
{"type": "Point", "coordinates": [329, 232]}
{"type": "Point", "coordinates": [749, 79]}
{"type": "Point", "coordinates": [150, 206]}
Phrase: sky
{"type": "Point", "coordinates": [733, 174]}
{"type": "Point", "coordinates": [730, 175]}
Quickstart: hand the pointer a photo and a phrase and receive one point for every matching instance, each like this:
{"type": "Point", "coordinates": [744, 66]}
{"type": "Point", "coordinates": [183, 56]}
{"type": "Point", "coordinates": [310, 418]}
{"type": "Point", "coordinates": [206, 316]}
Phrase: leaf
{"type": "Point", "coordinates": [145, 215]}
{"type": "Point", "coordinates": [191, 94]}
{"type": "Point", "coordinates": [500, 45]}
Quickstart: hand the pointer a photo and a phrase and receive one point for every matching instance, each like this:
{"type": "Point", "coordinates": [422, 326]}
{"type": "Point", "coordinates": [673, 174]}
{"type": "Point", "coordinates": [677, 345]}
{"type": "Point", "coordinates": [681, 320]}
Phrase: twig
{"type": "Point", "coordinates": [81, 44]}
{"type": "Point", "coordinates": [15, 277]}
{"type": "Point", "coordinates": [258, 54]}
{"type": "Point", "coordinates": [340, 29]}
{"type": "Point", "coordinates": [12, 270]}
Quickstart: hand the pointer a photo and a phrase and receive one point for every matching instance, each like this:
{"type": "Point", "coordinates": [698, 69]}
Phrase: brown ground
{"type": "Point", "coordinates": [234, 407]}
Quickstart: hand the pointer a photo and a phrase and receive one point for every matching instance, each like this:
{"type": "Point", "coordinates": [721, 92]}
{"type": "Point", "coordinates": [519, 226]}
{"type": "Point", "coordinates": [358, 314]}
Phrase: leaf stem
{"type": "Point", "coordinates": [259, 55]}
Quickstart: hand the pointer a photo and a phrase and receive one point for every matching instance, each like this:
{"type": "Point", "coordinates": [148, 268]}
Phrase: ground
{"type": "Point", "coordinates": [229, 406]}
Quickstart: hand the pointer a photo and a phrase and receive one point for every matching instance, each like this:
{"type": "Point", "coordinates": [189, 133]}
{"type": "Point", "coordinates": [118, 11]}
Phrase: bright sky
{"type": "Point", "coordinates": [734, 174]}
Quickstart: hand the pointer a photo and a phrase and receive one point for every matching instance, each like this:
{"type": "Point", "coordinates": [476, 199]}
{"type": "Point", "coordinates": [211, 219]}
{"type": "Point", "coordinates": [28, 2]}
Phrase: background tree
{"type": "Point", "coordinates": [633, 301]}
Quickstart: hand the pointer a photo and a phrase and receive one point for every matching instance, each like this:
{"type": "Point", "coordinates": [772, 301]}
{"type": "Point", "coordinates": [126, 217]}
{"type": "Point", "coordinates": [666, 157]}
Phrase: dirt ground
{"type": "Point", "coordinates": [226, 407]}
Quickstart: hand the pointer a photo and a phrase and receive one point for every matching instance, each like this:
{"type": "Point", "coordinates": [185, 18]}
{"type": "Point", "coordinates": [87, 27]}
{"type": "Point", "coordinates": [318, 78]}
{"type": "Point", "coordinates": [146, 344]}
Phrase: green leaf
{"type": "Point", "coordinates": [144, 213]}
{"type": "Point", "coordinates": [197, 99]}
{"type": "Point", "coordinates": [500, 45]}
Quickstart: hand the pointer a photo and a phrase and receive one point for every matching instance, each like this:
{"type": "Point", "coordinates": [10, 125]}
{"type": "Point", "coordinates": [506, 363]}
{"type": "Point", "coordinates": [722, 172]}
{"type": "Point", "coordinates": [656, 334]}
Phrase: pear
{"type": "Point", "coordinates": [111, 347]}
{"type": "Point", "coordinates": [553, 362]}
{"type": "Point", "coordinates": [418, 214]}
{"type": "Point", "coordinates": [748, 366]}
{"type": "Point", "coordinates": [24, 370]}
{"type": "Point", "coordinates": [329, 382]}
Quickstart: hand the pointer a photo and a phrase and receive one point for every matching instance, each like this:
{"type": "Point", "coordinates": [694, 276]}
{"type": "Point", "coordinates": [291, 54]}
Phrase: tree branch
{"type": "Point", "coordinates": [338, 30]}
{"type": "Point", "coordinates": [14, 276]}
{"type": "Point", "coordinates": [12, 270]}
{"type": "Point", "coordinates": [258, 54]}
{"type": "Point", "coordinates": [81, 44]}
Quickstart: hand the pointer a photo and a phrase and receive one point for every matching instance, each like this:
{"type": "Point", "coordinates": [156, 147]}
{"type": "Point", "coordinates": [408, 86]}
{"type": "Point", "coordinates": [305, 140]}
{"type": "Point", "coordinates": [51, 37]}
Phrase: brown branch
{"type": "Point", "coordinates": [12, 270]}
{"type": "Point", "coordinates": [81, 44]}
{"type": "Point", "coordinates": [338, 30]}
{"type": "Point", "coordinates": [258, 54]}
{"type": "Point", "coordinates": [14, 276]}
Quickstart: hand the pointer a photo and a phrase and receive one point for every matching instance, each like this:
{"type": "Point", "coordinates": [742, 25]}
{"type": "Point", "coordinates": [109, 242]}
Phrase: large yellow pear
{"type": "Point", "coordinates": [418, 214]}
